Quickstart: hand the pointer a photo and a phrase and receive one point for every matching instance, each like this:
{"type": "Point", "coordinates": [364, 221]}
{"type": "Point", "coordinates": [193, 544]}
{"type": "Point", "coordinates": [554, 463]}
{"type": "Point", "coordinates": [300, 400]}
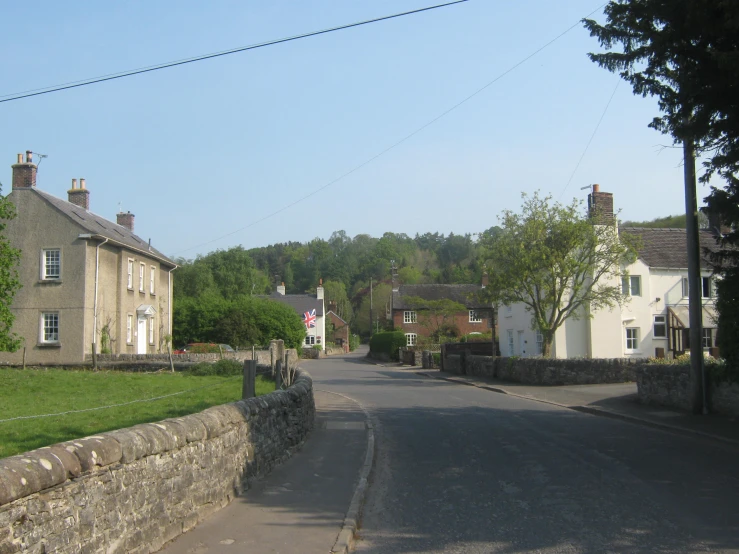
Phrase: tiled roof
{"type": "Point", "coordinates": [97, 225]}
{"type": "Point", "coordinates": [301, 303]}
{"type": "Point", "coordinates": [667, 248]}
{"type": "Point", "coordinates": [464, 294]}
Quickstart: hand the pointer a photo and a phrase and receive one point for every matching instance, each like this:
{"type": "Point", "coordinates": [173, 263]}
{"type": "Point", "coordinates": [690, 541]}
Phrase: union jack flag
{"type": "Point", "coordinates": [309, 318]}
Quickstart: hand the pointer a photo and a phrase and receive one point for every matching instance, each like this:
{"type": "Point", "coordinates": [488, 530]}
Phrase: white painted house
{"type": "Point", "coordinates": [311, 309]}
{"type": "Point", "coordinates": [654, 322]}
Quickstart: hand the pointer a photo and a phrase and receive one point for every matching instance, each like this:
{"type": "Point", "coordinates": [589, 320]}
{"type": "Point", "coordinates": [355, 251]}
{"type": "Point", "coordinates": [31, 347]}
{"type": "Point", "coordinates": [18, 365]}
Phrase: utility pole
{"type": "Point", "coordinates": [697, 370]}
{"type": "Point", "coordinates": [370, 322]}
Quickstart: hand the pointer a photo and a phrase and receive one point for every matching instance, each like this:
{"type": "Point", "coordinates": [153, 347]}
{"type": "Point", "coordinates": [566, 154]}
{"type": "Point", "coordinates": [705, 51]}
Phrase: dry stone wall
{"type": "Point", "coordinates": [132, 490]}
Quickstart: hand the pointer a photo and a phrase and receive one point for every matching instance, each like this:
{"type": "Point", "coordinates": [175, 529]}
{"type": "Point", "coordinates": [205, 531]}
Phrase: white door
{"type": "Point", "coordinates": [521, 344]}
{"type": "Point", "coordinates": [141, 336]}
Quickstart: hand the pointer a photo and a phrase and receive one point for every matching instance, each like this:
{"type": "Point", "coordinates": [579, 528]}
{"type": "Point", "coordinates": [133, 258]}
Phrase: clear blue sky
{"type": "Point", "coordinates": [199, 151]}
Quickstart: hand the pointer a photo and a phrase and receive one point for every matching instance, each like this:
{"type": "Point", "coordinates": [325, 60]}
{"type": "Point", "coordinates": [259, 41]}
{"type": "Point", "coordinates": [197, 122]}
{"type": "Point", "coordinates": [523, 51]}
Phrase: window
{"type": "Point", "coordinates": [632, 338]}
{"type": "Point", "coordinates": [51, 264]}
{"type": "Point", "coordinates": [660, 327]}
{"type": "Point", "coordinates": [409, 317]}
{"type": "Point", "coordinates": [151, 280]}
{"type": "Point", "coordinates": [410, 339]}
{"type": "Point", "coordinates": [510, 342]}
{"type": "Point", "coordinates": [631, 285]}
{"type": "Point", "coordinates": [509, 310]}
{"type": "Point", "coordinates": [707, 338]}
{"type": "Point", "coordinates": [50, 327]}
{"type": "Point", "coordinates": [129, 329]}
{"type": "Point", "coordinates": [706, 287]}
{"type": "Point", "coordinates": [151, 330]}
{"type": "Point", "coordinates": [310, 340]}
{"type": "Point", "coordinates": [475, 317]}
{"type": "Point", "coordinates": [539, 343]}
{"type": "Point", "coordinates": [130, 274]}
{"type": "Point", "coordinates": [142, 272]}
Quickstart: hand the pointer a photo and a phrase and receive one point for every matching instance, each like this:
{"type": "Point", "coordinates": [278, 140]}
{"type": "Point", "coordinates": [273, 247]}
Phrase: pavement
{"type": "Point", "coordinates": [617, 401]}
{"type": "Point", "coordinates": [311, 503]}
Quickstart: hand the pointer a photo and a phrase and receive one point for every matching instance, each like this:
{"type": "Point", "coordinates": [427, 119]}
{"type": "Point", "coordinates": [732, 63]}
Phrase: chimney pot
{"type": "Point", "coordinates": [596, 188]}
{"type": "Point", "coordinates": [79, 196]}
{"type": "Point", "coordinates": [82, 183]}
{"type": "Point", "coordinates": [74, 184]}
{"type": "Point", "coordinates": [20, 158]}
{"type": "Point", "coordinates": [29, 157]}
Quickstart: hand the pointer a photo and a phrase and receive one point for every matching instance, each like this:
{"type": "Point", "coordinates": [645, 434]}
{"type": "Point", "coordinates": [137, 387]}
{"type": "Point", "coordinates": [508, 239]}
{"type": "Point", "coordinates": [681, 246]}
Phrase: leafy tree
{"type": "Point", "coordinates": [555, 261]}
{"type": "Point", "coordinates": [9, 280]}
{"type": "Point", "coordinates": [409, 275]}
{"type": "Point", "coordinates": [335, 291]}
{"type": "Point", "coordinates": [670, 221]}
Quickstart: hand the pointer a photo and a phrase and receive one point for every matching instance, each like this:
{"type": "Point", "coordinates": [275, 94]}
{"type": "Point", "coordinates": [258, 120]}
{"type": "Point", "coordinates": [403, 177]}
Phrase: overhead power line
{"type": "Point", "coordinates": [112, 76]}
{"type": "Point", "coordinates": [402, 140]}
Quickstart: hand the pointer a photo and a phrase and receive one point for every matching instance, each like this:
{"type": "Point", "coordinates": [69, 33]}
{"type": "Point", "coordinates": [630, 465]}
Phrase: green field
{"type": "Point", "coordinates": [34, 392]}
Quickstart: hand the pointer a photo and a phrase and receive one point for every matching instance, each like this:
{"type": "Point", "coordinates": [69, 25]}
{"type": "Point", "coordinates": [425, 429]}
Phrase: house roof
{"type": "Point", "coordinates": [335, 315]}
{"type": "Point", "coordinates": [667, 248]}
{"type": "Point", "coordinates": [97, 225]}
{"type": "Point", "coordinates": [301, 303]}
{"type": "Point", "coordinates": [464, 294]}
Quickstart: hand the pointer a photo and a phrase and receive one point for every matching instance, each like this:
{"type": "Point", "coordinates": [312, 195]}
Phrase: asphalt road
{"type": "Point", "coordinates": [460, 469]}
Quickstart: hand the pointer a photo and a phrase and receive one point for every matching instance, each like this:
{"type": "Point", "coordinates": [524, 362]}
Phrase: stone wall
{"type": "Point", "coordinates": [667, 385]}
{"type": "Point", "coordinates": [132, 490]}
{"type": "Point", "coordinates": [540, 371]}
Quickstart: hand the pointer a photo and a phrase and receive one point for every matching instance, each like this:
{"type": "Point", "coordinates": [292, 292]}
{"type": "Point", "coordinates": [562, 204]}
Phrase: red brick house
{"type": "Point", "coordinates": [411, 317]}
{"type": "Point", "coordinates": [340, 335]}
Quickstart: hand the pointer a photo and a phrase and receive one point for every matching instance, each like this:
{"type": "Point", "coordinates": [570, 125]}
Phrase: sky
{"type": "Point", "coordinates": [297, 140]}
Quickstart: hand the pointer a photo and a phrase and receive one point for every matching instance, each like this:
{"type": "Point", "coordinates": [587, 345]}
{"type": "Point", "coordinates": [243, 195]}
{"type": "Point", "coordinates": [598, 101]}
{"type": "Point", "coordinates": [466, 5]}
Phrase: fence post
{"type": "Point", "coordinates": [278, 375]}
{"type": "Point", "coordinates": [249, 388]}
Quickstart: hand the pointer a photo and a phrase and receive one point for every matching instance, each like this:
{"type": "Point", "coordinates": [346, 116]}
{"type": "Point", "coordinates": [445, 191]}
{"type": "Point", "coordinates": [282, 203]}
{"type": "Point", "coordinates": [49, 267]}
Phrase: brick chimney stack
{"type": "Point", "coordinates": [79, 196]}
{"type": "Point", "coordinates": [24, 173]}
{"type": "Point", "coordinates": [125, 220]}
{"type": "Point", "coordinates": [600, 206]}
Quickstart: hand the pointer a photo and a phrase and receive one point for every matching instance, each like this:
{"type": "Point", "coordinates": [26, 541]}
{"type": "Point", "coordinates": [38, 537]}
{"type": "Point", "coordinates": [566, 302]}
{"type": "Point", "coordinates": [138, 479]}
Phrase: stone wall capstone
{"type": "Point", "coordinates": [132, 490]}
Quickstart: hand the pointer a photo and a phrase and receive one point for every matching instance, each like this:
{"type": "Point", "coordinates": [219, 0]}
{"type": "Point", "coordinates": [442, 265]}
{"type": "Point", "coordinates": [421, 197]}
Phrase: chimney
{"type": "Point", "coordinates": [485, 279]}
{"type": "Point", "coordinates": [125, 220]}
{"type": "Point", "coordinates": [319, 290]}
{"type": "Point", "coordinates": [600, 206]}
{"type": "Point", "coordinates": [79, 196]}
{"type": "Point", "coordinates": [332, 306]}
{"type": "Point", "coordinates": [24, 173]}
{"type": "Point", "coordinates": [281, 289]}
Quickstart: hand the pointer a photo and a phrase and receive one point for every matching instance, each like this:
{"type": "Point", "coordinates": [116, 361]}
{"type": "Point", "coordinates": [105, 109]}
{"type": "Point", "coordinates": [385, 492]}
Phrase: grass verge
{"type": "Point", "coordinates": [34, 392]}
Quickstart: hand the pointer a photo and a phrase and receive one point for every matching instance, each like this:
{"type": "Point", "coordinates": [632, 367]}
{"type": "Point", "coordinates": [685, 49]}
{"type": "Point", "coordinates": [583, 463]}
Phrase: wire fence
{"type": "Point", "coordinates": [130, 402]}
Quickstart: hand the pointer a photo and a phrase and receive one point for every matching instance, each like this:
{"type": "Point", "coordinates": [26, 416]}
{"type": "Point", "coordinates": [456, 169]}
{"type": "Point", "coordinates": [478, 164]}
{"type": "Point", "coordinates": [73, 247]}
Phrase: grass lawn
{"type": "Point", "coordinates": [33, 392]}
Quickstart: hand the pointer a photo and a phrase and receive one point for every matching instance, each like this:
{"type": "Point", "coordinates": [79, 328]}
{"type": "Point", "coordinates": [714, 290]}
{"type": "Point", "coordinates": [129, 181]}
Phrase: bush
{"type": "Point", "coordinates": [387, 342]}
{"type": "Point", "coordinates": [476, 337]}
{"type": "Point", "coordinates": [353, 342]}
{"type": "Point", "coordinates": [223, 368]}
{"type": "Point", "coordinates": [437, 358]}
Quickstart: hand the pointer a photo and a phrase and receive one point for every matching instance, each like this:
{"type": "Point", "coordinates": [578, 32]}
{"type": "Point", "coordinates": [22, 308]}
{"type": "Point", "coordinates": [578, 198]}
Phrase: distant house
{"type": "Point", "coordinates": [654, 322]}
{"type": "Point", "coordinates": [341, 333]}
{"type": "Point", "coordinates": [416, 321]}
{"type": "Point", "coordinates": [311, 309]}
{"type": "Point", "coordinates": [86, 282]}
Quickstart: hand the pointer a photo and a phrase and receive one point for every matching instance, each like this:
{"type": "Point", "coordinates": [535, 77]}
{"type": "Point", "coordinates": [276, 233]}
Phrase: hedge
{"type": "Point", "coordinates": [387, 342]}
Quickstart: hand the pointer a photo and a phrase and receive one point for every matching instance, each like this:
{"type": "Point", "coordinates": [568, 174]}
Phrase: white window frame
{"type": "Point", "coordinates": [710, 337]}
{"type": "Point", "coordinates": [44, 265]}
{"type": "Point", "coordinates": [310, 340]}
{"type": "Point", "coordinates": [632, 342]}
{"type": "Point", "coordinates": [129, 282]}
{"type": "Point", "coordinates": [627, 285]}
{"type": "Point", "coordinates": [47, 322]}
{"type": "Point", "coordinates": [659, 320]}
{"type": "Point", "coordinates": [686, 287]}
{"type": "Point", "coordinates": [539, 343]}
{"type": "Point", "coordinates": [706, 283]}
{"type": "Point", "coordinates": [411, 339]}
{"type": "Point", "coordinates": [151, 330]}
{"type": "Point", "coordinates": [152, 289]}
{"type": "Point", "coordinates": [410, 316]}
{"type": "Point", "coordinates": [129, 329]}
{"type": "Point", "coordinates": [511, 343]}
{"type": "Point", "coordinates": [142, 276]}
{"type": "Point", "coordinates": [475, 317]}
